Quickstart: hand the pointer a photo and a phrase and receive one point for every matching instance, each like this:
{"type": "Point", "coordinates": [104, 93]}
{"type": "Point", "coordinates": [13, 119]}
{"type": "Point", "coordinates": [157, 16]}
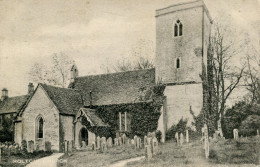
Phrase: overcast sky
{"type": "Point", "coordinates": [94, 33]}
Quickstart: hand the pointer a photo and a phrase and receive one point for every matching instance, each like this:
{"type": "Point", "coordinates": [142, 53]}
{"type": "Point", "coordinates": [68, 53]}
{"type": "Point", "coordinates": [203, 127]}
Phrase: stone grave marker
{"type": "Point", "coordinates": [98, 143]}
{"type": "Point", "coordinates": [187, 136]}
{"type": "Point", "coordinates": [177, 137]}
{"type": "Point", "coordinates": [155, 146]}
{"type": "Point", "coordinates": [116, 141]}
{"type": "Point", "coordinates": [109, 142]}
{"type": "Point", "coordinates": [257, 132]}
{"type": "Point", "coordinates": [120, 141]}
{"type": "Point", "coordinates": [93, 146]}
{"type": "Point", "coordinates": [84, 145]}
{"type": "Point", "coordinates": [70, 146]}
{"type": "Point", "coordinates": [66, 146]}
{"type": "Point", "coordinates": [124, 138]}
{"type": "Point", "coordinates": [132, 141]}
{"type": "Point", "coordinates": [206, 141]}
{"type": "Point", "coordinates": [235, 134]}
{"type": "Point", "coordinates": [148, 152]}
{"type": "Point", "coordinates": [181, 139]}
{"type": "Point", "coordinates": [145, 140]}
{"type": "Point", "coordinates": [135, 141]}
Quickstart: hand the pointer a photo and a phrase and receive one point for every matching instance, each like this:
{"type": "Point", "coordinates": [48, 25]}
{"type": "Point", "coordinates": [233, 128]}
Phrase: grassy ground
{"type": "Point", "coordinates": [225, 154]}
{"type": "Point", "coordinates": [89, 158]}
{"type": "Point", "coordinates": [21, 160]}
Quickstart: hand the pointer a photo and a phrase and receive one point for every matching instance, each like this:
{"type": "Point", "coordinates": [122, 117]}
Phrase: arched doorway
{"type": "Point", "coordinates": [83, 136]}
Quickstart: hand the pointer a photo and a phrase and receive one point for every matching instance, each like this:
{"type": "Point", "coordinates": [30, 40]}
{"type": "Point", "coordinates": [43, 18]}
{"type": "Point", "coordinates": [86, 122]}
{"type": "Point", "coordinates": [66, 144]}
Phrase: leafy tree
{"type": "Point", "coordinates": [6, 133]}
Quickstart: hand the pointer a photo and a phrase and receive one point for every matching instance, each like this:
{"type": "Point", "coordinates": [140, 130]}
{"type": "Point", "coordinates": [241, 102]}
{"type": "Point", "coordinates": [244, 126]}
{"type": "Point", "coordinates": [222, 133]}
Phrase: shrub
{"type": "Point", "coordinates": [180, 127]}
{"type": "Point", "coordinates": [250, 125]}
{"type": "Point", "coordinates": [24, 147]}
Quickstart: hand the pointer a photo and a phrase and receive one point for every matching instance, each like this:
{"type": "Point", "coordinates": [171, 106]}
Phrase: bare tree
{"type": "Point", "coordinates": [226, 77]}
{"type": "Point", "coordinates": [141, 54]}
{"type": "Point", "coordinates": [57, 74]}
{"type": "Point", "coordinates": [252, 74]}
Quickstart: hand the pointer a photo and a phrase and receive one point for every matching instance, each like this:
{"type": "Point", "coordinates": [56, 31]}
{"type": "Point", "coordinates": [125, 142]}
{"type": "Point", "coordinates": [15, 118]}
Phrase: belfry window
{"type": "Point", "coordinates": [124, 121]}
{"type": "Point", "coordinates": [178, 63]}
{"type": "Point", "coordinates": [178, 28]}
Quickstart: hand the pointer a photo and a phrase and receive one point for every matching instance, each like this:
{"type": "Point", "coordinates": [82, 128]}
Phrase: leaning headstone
{"type": "Point", "coordinates": [206, 141]}
{"type": "Point", "coordinates": [177, 137]}
{"type": "Point", "coordinates": [235, 134]}
{"type": "Point", "coordinates": [98, 143]}
{"type": "Point", "coordinates": [187, 136]}
{"type": "Point", "coordinates": [48, 146]}
{"type": "Point", "coordinates": [148, 152]}
{"type": "Point", "coordinates": [181, 139]}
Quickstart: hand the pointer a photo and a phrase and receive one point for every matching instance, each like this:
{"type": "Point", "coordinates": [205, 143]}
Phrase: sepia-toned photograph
{"type": "Point", "coordinates": [128, 83]}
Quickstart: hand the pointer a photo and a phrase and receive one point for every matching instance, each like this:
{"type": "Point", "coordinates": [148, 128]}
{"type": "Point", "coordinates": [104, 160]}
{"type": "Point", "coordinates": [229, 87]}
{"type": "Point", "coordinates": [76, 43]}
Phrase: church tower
{"type": "Point", "coordinates": [182, 35]}
{"type": "Point", "coordinates": [73, 72]}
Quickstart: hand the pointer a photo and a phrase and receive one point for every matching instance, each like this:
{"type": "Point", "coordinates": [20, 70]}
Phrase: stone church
{"type": "Point", "coordinates": [55, 114]}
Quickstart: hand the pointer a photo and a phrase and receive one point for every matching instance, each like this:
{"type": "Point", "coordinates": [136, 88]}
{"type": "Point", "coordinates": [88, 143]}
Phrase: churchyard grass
{"type": "Point", "coordinates": [222, 154]}
{"type": "Point", "coordinates": [89, 158]}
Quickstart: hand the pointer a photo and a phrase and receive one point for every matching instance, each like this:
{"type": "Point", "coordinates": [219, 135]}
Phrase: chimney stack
{"type": "Point", "coordinates": [30, 88]}
{"type": "Point", "coordinates": [4, 94]}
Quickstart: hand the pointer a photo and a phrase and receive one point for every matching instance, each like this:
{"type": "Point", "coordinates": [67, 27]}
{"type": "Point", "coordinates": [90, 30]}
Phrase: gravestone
{"type": "Point", "coordinates": [132, 141]}
{"type": "Point", "coordinates": [120, 141]}
{"type": "Point", "coordinates": [30, 146]}
{"type": "Point", "coordinates": [109, 142]}
{"type": "Point", "coordinates": [93, 146]}
{"type": "Point", "coordinates": [187, 136]}
{"type": "Point", "coordinates": [135, 141]}
{"type": "Point", "coordinates": [148, 152]}
{"type": "Point", "coordinates": [155, 146]}
{"type": "Point", "coordinates": [83, 144]}
{"type": "Point", "coordinates": [70, 145]}
{"type": "Point", "coordinates": [124, 138]}
{"type": "Point", "coordinates": [145, 140]}
{"type": "Point", "coordinates": [66, 146]}
{"type": "Point", "coordinates": [177, 137]}
{"type": "Point", "coordinates": [12, 149]}
{"type": "Point", "coordinates": [235, 134]}
{"type": "Point", "coordinates": [257, 132]}
{"type": "Point", "coordinates": [181, 139]}
{"type": "Point", "coordinates": [206, 141]}
{"type": "Point", "coordinates": [48, 146]}
{"type": "Point", "coordinates": [128, 141]}
{"type": "Point", "coordinates": [98, 143]}
{"type": "Point", "coordinates": [116, 141]}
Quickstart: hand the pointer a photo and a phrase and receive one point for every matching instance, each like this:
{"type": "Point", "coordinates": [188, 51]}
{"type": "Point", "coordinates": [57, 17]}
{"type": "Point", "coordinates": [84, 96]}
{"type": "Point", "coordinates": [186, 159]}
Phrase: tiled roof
{"type": "Point", "coordinates": [12, 104]}
{"type": "Point", "coordinates": [115, 88]}
{"type": "Point", "coordinates": [92, 117]}
{"type": "Point", "coordinates": [68, 101]}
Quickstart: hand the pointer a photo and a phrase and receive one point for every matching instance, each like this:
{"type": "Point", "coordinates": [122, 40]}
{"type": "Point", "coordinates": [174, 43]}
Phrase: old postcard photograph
{"type": "Point", "coordinates": [127, 83]}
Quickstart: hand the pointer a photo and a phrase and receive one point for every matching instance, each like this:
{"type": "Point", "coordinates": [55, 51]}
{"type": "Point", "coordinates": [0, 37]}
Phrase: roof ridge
{"type": "Point", "coordinates": [58, 87]}
{"type": "Point", "coordinates": [147, 69]}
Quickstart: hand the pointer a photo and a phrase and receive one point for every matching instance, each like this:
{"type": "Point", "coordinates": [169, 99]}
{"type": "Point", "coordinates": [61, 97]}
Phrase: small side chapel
{"type": "Point", "coordinates": [110, 104]}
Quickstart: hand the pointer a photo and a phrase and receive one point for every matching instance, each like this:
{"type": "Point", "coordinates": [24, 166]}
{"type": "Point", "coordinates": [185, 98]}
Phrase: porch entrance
{"type": "Point", "coordinates": [83, 136]}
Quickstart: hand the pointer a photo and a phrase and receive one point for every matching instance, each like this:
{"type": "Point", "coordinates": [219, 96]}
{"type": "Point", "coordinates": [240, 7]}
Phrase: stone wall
{"type": "Point", "coordinates": [179, 100]}
{"type": "Point", "coordinates": [40, 104]}
{"type": "Point", "coordinates": [67, 131]}
{"type": "Point", "coordinates": [18, 133]}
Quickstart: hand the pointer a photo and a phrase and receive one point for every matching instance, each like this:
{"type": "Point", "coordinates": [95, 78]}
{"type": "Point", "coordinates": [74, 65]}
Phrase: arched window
{"type": "Point", "coordinates": [39, 130]}
{"type": "Point", "coordinates": [178, 63]}
{"type": "Point", "coordinates": [178, 28]}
